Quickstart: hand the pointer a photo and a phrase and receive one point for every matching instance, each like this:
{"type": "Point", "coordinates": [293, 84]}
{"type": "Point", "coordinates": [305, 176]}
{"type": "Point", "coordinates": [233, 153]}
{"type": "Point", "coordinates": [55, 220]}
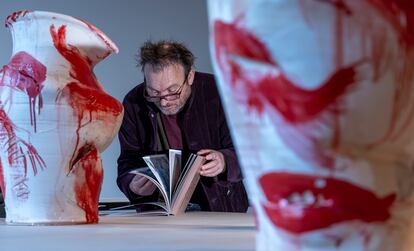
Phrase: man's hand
{"type": "Point", "coordinates": [142, 186]}
{"type": "Point", "coordinates": [215, 163]}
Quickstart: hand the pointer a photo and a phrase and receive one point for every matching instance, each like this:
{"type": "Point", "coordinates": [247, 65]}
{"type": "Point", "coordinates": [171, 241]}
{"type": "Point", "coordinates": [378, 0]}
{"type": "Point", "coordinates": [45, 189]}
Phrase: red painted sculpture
{"type": "Point", "coordinates": [319, 94]}
{"type": "Point", "coordinates": [55, 119]}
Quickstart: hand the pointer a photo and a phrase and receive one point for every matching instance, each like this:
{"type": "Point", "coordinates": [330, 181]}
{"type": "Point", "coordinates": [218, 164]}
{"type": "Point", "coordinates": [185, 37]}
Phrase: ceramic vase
{"type": "Point", "coordinates": [319, 97]}
{"type": "Point", "coordinates": [55, 119]}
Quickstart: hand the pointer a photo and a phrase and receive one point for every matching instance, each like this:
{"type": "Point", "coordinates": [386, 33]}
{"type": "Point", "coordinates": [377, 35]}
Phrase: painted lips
{"type": "Point", "coordinates": [300, 203]}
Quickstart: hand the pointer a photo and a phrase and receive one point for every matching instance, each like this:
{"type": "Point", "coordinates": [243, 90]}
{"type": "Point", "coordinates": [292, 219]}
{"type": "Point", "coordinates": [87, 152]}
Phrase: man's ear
{"type": "Point", "coordinates": [191, 76]}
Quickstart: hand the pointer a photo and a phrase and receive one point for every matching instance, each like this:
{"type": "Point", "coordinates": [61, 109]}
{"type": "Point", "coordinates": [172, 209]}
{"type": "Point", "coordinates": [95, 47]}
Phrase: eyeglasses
{"type": "Point", "coordinates": [168, 97]}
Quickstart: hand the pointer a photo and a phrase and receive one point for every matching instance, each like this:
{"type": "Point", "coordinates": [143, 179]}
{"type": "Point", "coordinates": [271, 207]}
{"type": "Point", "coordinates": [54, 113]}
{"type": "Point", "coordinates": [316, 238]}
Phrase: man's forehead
{"type": "Point", "coordinates": [165, 77]}
{"type": "Point", "coordinates": [166, 67]}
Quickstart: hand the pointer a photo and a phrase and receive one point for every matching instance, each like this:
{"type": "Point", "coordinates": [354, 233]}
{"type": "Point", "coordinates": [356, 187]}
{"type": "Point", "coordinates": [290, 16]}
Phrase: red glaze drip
{"type": "Point", "coordinates": [296, 105]}
{"type": "Point", "coordinates": [87, 101]}
{"type": "Point", "coordinates": [85, 96]}
{"type": "Point", "coordinates": [81, 66]}
{"type": "Point", "coordinates": [26, 74]}
{"type": "Point", "coordinates": [299, 105]}
{"type": "Point", "coordinates": [14, 16]}
{"type": "Point", "coordinates": [89, 174]}
{"type": "Point", "coordinates": [236, 41]}
{"type": "Point", "coordinates": [342, 201]}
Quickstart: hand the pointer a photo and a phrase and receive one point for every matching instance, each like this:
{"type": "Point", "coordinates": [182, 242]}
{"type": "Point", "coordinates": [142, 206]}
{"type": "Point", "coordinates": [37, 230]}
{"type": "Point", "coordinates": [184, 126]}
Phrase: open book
{"type": "Point", "coordinates": [176, 183]}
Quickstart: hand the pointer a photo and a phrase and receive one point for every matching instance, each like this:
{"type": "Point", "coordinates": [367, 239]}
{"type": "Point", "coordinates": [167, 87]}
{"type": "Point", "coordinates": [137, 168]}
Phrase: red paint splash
{"type": "Point", "coordinates": [14, 16]}
{"type": "Point", "coordinates": [81, 66]}
{"type": "Point", "coordinates": [298, 106]}
{"type": "Point", "coordinates": [23, 73]}
{"type": "Point", "coordinates": [86, 96]}
{"type": "Point", "coordinates": [89, 176]}
{"type": "Point", "coordinates": [27, 74]}
{"type": "Point", "coordinates": [86, 99]}
{"type": "Point", "coordinates": [86, 102]}
{"type": "Point", "coordinates": [334, 202]}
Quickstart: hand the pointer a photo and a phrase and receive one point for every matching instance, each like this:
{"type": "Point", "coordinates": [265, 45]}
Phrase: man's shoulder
{"type": "Point", "coordinates": [206, 84]}
{"type": "Point", "coordinates": [205, 78]}
{"type": "Point", "coordinates": [134, 96]}
{"type": "Point", "coordinates": [206, 88]}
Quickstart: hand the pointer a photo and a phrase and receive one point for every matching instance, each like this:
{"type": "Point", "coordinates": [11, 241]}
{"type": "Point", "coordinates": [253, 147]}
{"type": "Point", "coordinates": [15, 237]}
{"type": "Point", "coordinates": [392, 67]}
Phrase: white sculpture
{"type": "Point", "coordinates": [319, 96]}
{"type": "Point", "coordinates": [55, 119]}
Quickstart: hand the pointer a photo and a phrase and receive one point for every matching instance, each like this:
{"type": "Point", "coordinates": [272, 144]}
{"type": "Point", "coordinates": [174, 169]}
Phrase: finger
{"type": "Point", "coordinates": [209, 165]}
{"type": "Point", "coordinates": [211, 156]}
{"type": "Point", "coordinates": [140, 181]}
{"type": "Point", "coordinates": [204, 151]}
{"type": "Point", "coordinates": [149, 185]}
{"type": "Point", "coordinates": [148, 188]}
{"type": "Point", "coordinates": [210, 173]}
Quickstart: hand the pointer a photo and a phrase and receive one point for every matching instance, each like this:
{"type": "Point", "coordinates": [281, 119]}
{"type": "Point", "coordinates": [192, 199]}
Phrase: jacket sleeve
{"type": "Point", "coordinates": [131, 154]}
{"type": "Point", "coordinates": [232, 173]}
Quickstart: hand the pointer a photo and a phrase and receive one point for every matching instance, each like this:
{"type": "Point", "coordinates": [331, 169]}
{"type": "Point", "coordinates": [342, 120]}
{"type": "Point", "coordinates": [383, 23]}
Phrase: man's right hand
{"type": "Point", "coordinates": [142, 186]}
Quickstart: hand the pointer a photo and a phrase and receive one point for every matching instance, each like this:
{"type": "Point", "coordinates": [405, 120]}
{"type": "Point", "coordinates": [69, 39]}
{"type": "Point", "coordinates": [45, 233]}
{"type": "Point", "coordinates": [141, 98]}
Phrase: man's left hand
{"type": "Point", "coordinates": [215, 163]}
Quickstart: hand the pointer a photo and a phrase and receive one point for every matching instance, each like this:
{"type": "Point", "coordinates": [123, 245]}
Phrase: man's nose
{"type": "Point", "coordinates": [163, 102]}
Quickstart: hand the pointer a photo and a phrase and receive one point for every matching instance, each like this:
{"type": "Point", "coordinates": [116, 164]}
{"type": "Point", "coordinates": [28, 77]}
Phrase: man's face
{"type": "Point", "coordinates": [166, 81]}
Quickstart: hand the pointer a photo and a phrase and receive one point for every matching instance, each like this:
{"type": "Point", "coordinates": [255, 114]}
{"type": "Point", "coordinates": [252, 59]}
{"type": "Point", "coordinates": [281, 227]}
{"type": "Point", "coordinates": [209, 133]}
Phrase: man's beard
{"type": "Point", "coordinates": [174, 111]}
{"type": "Point", "coordinates": [177, 108]}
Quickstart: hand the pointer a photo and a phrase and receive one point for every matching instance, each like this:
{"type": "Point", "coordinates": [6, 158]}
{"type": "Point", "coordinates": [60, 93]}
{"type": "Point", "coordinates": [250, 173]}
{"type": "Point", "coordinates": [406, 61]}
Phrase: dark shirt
{"type": "Point", "coordinates": [173, 131]}
{"type": "Point", "coordinates": [203, 126]}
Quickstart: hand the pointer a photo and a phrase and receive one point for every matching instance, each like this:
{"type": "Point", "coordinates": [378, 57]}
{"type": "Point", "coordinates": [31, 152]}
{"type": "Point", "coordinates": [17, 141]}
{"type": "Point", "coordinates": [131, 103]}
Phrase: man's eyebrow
{"type": "Point", "coordinates": [171, 88]}
{"type": "Point", "coordinates": [152, 89]}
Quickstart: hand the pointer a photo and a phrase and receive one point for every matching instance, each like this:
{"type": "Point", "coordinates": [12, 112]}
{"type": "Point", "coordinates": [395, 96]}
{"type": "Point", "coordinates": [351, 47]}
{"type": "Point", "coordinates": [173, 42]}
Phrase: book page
{"type": "Point", "coordinates": [159, 166]}
{"type": "Point", "coordinates": [175, 169]}
{"type": "Point", "coordinates": [160, 205]}
{"type": "Point", "coordinates": [147, 173]}
{"type": "Point", "coordinates": [187, 184]}
{"type": "Point", "coordinates": [184, 170]}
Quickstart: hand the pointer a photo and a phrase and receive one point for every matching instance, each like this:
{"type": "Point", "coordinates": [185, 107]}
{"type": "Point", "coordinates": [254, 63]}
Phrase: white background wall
{"type": "Point", "coordinates": [128, 23]}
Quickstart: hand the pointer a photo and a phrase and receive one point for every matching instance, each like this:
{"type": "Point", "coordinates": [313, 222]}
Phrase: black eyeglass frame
{"type": "Point", "coordinates": [169, 97]}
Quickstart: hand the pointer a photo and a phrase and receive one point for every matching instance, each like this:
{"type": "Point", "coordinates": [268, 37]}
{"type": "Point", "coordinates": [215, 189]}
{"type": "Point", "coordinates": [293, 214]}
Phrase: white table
{"type": "Point", "coordinates": [127, 231]}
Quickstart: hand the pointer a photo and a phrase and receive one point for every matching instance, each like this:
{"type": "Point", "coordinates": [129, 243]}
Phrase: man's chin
{"type": "Point", "coordinates": [170, 111]}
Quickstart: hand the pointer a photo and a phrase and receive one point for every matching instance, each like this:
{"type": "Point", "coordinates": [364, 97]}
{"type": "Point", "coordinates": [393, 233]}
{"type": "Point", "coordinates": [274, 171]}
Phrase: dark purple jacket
{"type": "Point", "coordinates": [203, 125]}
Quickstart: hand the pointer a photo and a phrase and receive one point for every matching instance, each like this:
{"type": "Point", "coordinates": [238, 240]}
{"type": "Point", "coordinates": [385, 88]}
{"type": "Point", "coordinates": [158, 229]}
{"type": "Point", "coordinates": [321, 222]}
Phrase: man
{"type": "Point", "coordinates": [178, 108]}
